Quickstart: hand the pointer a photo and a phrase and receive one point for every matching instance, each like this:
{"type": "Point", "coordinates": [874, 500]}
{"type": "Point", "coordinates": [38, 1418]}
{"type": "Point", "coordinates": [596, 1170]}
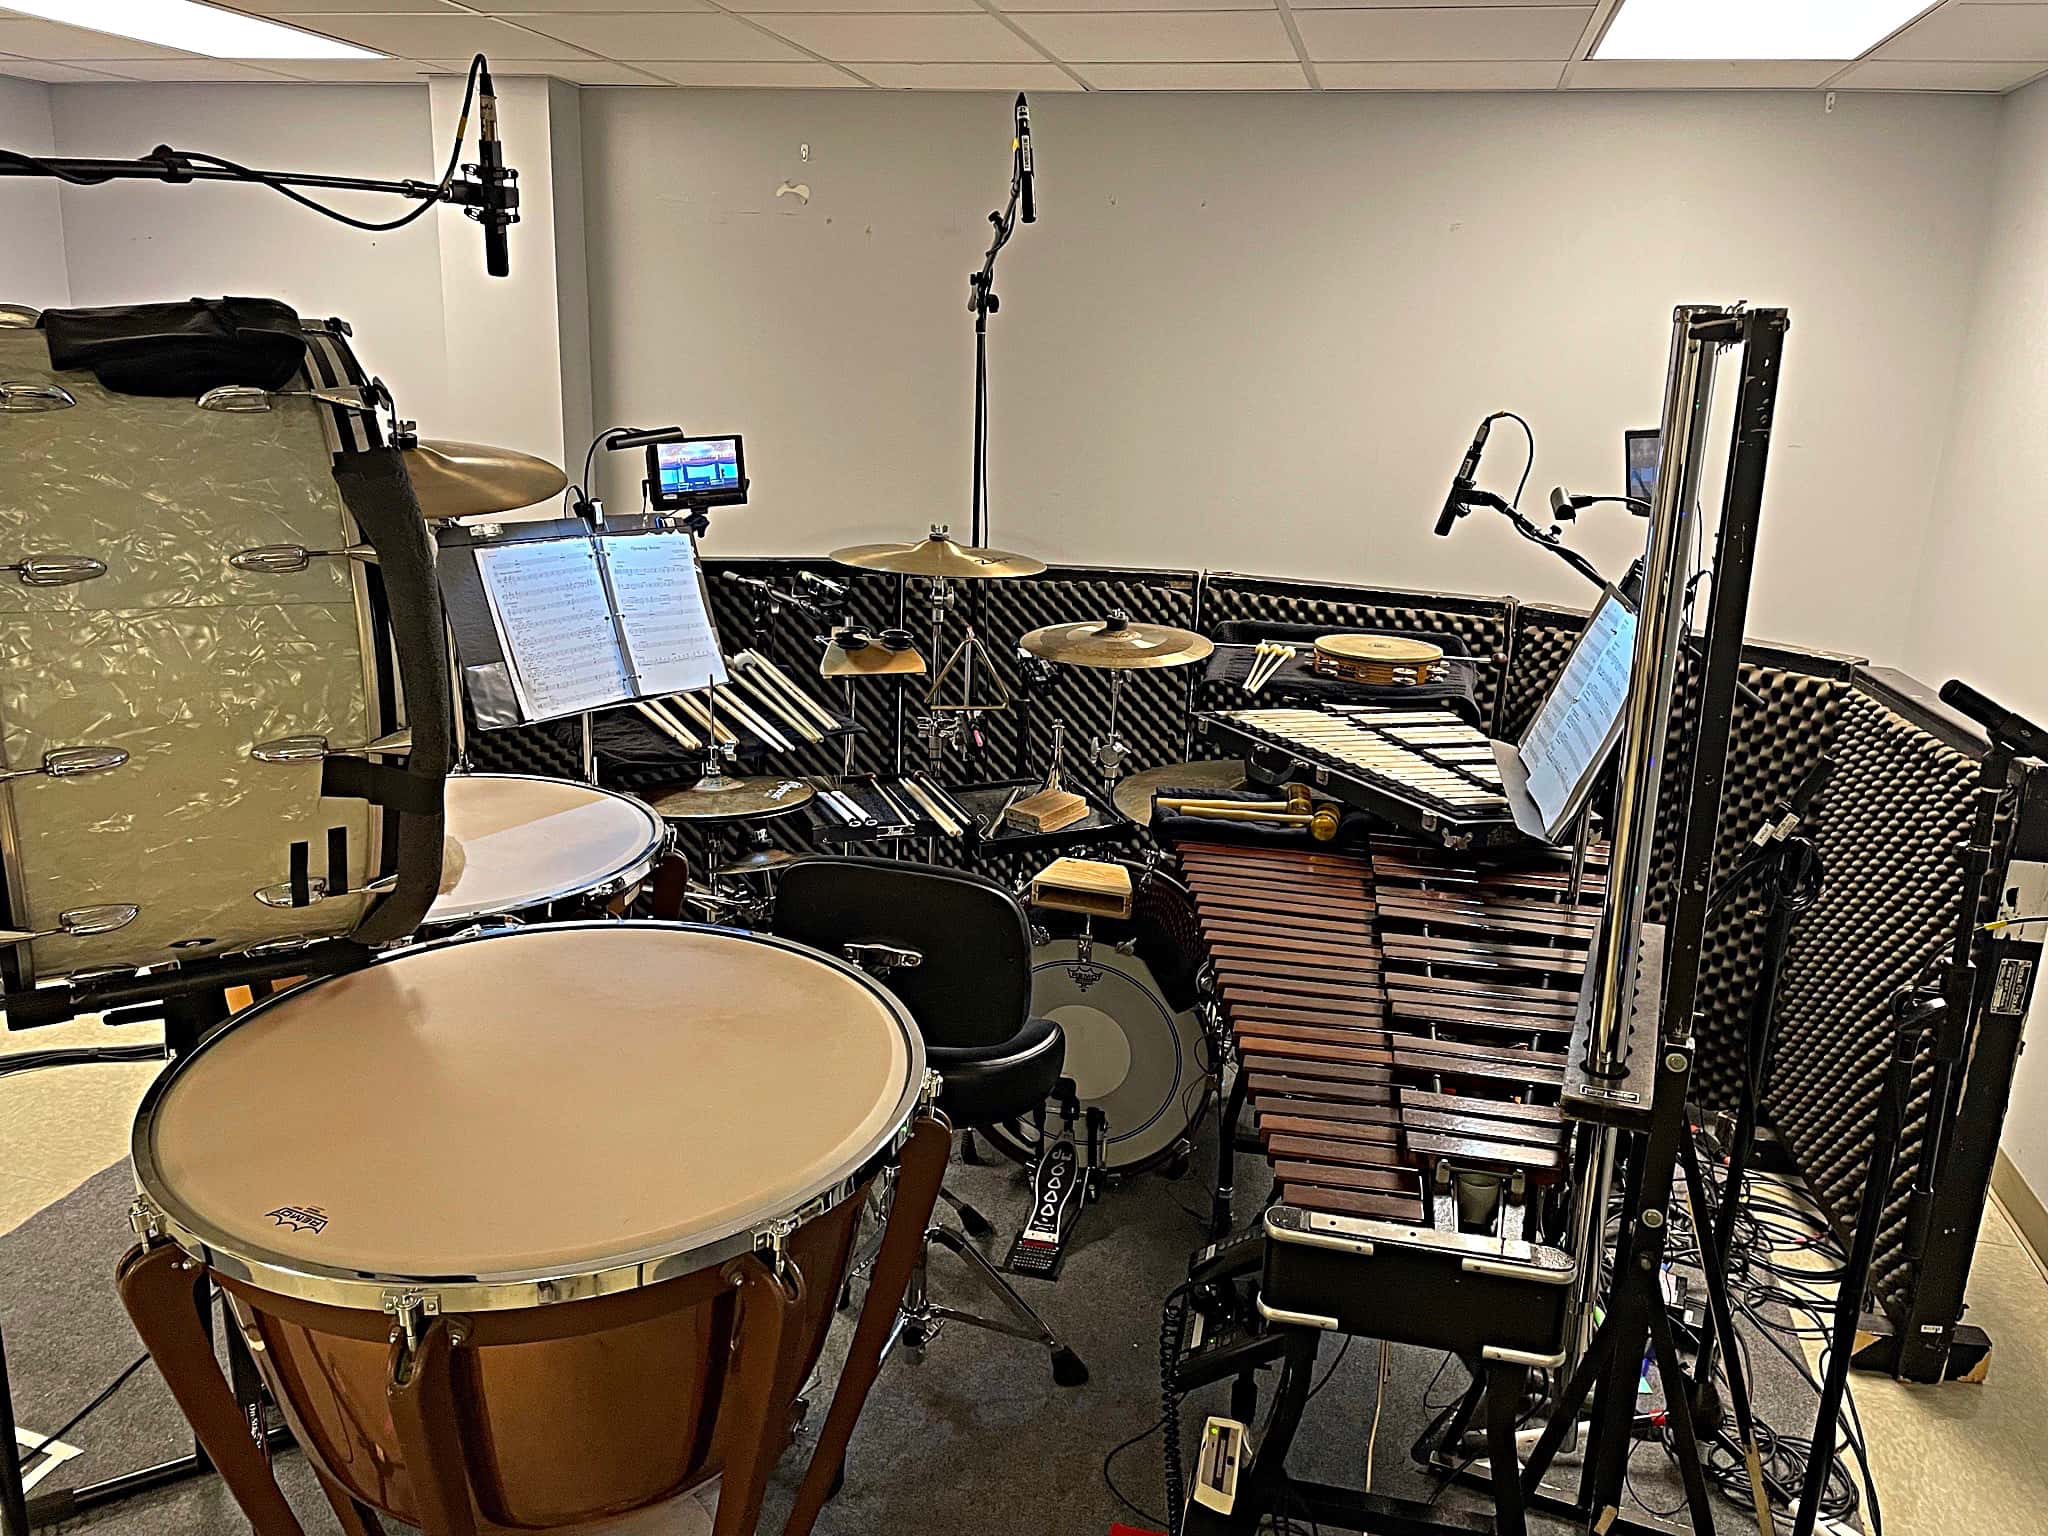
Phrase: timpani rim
{"type": "Point", "coordinates": [629, 874]}
{"type": "Point", "coordinates": [156, 1216]}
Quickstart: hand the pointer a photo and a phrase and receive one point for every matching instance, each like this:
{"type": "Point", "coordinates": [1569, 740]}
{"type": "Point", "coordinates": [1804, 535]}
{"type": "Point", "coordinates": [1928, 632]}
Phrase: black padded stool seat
{"type": "Point", "coordinates": [984, 1085]}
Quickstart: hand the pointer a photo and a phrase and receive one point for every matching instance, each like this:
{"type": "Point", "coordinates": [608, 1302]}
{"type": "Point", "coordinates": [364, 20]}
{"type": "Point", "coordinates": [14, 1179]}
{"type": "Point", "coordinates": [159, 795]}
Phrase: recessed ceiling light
{"type": "Point", "coordinates": [192, 28]}
{"type": "Point", "coordinates": [1753, 29]}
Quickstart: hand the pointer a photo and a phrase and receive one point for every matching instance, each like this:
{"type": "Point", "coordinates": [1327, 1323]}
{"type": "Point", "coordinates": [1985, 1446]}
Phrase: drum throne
{"type": "Point", "coordinates": [956, 949]}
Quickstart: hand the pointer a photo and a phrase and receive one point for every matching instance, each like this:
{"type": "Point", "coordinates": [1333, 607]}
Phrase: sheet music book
{"type": "Point", "coordinates": [665, 628]}
{"type": "Point", "coordinates": [1580, 721]}
{"type": "Point", "coordinates": [591, 622]}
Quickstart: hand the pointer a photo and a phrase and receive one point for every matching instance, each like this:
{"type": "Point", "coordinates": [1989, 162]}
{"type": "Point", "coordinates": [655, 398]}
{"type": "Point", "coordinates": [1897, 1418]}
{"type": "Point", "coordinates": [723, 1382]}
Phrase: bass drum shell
{"type": "Point", "coordinates": [569, 1416]}
{"type": "Point", "coordinates": [1129, 1053]}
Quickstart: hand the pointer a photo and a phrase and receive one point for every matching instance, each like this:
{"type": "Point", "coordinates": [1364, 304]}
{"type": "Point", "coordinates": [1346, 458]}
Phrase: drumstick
{"type": "Point", "coordinates": [932, 808]}
{"type": "Point", "coordinates": [825, 718]}
{"type": "Point", "coordinates": [768, 699]}
{"type": "Point", "coordinates": [681, 737]}
{"type": "Point", "coordinates": [735, 701]}
{"type": "Point", "coordinates": [694, 709]}
{"type": "Point", "coordinates": [662, 711]}
{"type": "Point", "coordinates": [895, 809]}
{"type": "Point", "coordinates": [946, 798]}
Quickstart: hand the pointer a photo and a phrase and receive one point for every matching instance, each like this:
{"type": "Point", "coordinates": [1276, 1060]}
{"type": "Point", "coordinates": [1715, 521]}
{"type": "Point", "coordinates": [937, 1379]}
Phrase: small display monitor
{"type": "Point", "coordinates": [1642, 450]}
{"type": "Point", "coordinates": [688, 474]}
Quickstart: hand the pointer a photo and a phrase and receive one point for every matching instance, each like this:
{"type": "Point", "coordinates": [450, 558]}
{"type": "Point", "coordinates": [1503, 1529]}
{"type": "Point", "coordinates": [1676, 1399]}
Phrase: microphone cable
{"type": "Point", "coordinates": [172, 158]}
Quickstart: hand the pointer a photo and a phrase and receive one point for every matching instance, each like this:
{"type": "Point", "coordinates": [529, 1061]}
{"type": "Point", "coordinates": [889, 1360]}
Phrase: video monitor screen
{"type": "Point", "coordinates": [697, 472]}
{"type": "Point", "coordinates": [1643, 451]}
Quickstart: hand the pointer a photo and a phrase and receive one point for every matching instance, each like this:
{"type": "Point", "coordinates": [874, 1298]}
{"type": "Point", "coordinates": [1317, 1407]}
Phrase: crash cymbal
{"type": "Point", "coordinates": [731, 799]}
{"type": "Point", "coordinates": [1117, 643]}
{"type": "Point", "coordinates": [1134, 795]}
{"type": "Point", "coordinates": [938, 556]}
{"type": "Point", "coordinates": [760, 861]}
{"type": "Point", "coordinates": [468, 479]}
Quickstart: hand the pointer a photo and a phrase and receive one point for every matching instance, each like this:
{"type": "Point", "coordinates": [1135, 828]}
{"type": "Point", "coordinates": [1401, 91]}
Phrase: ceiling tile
{"type": "Point", "coordinates": [905, 39]}
{"type": "Point", "coordinates": [1700, 74]}
{"type": "Point", "coordinates": [1444, 32]}
{"type": "Point", "coordinates": [47, 40]}
{"type": "Point", "coordinates": [970, 77]}
{"type": "Point", "coordinates": [766, 7]}
{"type": "Point", "coordinates": [712, 39]}
{"type": "Point", "coordinates": [345, 71]}
{"type": "Point", "coordinates": [797, 76]}
{"type": "Point", "coordinates": [519, 9]}
{"type": "Point", "coordinates": [1936, 75]}
{"type": "Point", "coordinates": [1195, 77]}
{"type": "Point", "coordinates": [193, 69]}
{"type": "Point", "coordinates": [807, 75]}
{"type": "Point", "coordinates": [430, 37]}
{"type": "Point", "coordinates": [1988, 32]}
{"type": "Point", "coordinates": [286, 8]}
{"type": "Point", "coordinates": [1134, 5]}
{"type": "Point", "coordinates": [52, 74]}
{"type": "Point", "coordinates": [1447, 75]}
{"type": "Point", "coordinates": [1159, 37]}
{"type": "Point", "coordinates": [575, 71]}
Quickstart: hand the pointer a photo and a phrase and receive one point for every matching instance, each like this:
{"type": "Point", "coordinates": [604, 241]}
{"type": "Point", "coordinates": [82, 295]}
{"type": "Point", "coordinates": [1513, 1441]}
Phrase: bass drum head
{"type": "Point", "coordinates": [1129, 1053]}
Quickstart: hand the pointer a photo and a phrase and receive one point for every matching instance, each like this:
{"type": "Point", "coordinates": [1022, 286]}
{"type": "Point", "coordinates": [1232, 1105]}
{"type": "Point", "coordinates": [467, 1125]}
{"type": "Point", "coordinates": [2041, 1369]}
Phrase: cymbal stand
{"type": "Point", "coordinates": [1110, 751]}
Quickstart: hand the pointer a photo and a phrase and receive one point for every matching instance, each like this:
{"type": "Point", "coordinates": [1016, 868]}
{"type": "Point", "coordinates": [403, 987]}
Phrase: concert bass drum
{"type": "Point", "coordinates": [1124, 994]}
{"type": "Point", "coordinates": [224, 712]}
{"type": "Point", "coordinates": [532, 1229]}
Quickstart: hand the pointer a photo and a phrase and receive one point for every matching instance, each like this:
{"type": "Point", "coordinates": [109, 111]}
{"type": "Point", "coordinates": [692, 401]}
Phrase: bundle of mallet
{"type": "Point", "coordinates": [1297, 809]}
{"type": "Point", "coordinates": [1269, 657]}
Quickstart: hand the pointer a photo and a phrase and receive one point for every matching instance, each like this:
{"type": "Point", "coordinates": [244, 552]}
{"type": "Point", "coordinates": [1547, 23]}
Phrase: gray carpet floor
{"type": "Point", "coordinates": [970, 1438]}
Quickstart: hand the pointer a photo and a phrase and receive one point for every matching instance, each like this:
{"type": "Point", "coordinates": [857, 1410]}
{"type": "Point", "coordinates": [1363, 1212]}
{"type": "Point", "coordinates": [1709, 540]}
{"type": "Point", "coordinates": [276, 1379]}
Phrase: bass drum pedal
{"type": "Point", "coordinates": [1063, 1184]}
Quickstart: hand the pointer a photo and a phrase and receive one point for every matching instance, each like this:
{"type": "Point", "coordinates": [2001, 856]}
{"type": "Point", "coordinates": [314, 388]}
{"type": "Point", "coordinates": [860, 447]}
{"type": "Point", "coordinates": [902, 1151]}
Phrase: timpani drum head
{"type": "Point", "coordinates": [529, 841]}
{"type": "Point", "coordinates": [603, 1099]}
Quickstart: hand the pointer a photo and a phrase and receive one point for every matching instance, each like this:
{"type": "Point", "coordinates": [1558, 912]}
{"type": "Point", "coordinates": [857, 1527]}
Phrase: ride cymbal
{"type": "Point", "coordinates": [470, 479]}
{"type": "Point", "coordinates": [1117, 643]}
{"type": "Point", "coordinates": [938, 556]}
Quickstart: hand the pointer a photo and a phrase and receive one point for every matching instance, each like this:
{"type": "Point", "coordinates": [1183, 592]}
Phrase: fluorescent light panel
{"type": "Point", "coordinates": [1753, 29]}
{"type": "Point", "coordinates": [191, 28]}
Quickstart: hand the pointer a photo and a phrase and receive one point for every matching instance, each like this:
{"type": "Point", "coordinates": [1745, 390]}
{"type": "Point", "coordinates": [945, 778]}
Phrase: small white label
{"type": "Point", "coordinates": [2009, 990]}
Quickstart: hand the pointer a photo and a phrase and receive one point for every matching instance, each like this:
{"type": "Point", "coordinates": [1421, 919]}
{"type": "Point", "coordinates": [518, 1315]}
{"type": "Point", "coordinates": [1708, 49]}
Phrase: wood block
{"type": "Point", "coordinates": [1083, 885]}
{"type": "Point", "coordinates": [1046, 811]}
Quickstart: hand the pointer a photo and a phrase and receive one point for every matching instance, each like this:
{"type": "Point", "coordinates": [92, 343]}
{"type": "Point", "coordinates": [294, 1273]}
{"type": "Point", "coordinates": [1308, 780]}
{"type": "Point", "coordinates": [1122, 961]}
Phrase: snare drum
{"type": "Point", "coordinates": [1123, 993]}
{"type": "Point", "coordinates": [197, 619]}
{"type": "Point", "coordinates": [526, 1230]}
{"type": "Point", "coordinates": [539, 850]}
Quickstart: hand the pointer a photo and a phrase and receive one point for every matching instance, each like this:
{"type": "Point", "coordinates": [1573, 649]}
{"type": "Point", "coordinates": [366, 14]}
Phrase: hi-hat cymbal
{"type": "Point", "coordinates": [938, 556]}
{"type": "Point", "coordinates": [732, 799]}
{"type": "Point", "coordinates": [1134, 795]}
{"type": "Point", "coordinates": [1117, 643]}
{"type": "Point", "coordinates": [469, 479]}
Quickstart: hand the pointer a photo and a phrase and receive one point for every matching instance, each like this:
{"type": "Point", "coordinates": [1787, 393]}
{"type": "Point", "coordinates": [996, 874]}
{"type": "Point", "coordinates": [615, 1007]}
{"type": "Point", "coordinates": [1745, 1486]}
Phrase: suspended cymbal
{"type": "Point", "coordinates": [1117, 643]}
{"type": "Point", "coordinates": [468, 479]}
{"type": "Point", "coordinates": [760, 861]}
{"type": "Point", "coordinates": [732, 799]}
{"type": "Point", "coordinates": [1134, 795]}
{"type": "Point", "coordinates": [938, 556]}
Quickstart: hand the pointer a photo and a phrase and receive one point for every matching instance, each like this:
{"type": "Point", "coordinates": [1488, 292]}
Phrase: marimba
{"type": "Point", "coordinates": [1400, 1019]}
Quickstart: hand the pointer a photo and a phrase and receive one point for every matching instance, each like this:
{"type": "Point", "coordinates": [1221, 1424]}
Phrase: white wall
{"type": "Point", "coordinates": [31, 216]}
{"type": "Point", "coordinates": [1978, 610]}
{"type": "Point", "coordinates": [1256, 332]}
{"type": "Point", "coordinates": [467, 355]}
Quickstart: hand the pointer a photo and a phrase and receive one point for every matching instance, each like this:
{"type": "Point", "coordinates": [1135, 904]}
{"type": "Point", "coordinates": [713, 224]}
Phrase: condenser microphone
{"type": "Point", "coordinates": [1030, 212]}
{"type": "Point", "coordinates": [498, 205]}
{"type": "Point", "coordinates": [1461, 486]}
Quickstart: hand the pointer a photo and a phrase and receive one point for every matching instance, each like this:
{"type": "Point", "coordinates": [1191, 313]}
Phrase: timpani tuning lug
{"type": "Point", "coordinates": [313, 748]}
{"type": "Point", "coordinates": [69, 763]}
{"type": "Point", "coordinates": [282, 895]}
{"type": "Point", "coordinates": [78, 923]}
{"type": "Point", "coordinates": [17, 395]}
{"type": "Point", "coordinates": [19, 317]}
{"type": "Point", "coordinates": [56, 570]}
{"type": "Point", "coordinates": [247, 399]}
{"type": "Point", "coordinates": [283, 559]}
